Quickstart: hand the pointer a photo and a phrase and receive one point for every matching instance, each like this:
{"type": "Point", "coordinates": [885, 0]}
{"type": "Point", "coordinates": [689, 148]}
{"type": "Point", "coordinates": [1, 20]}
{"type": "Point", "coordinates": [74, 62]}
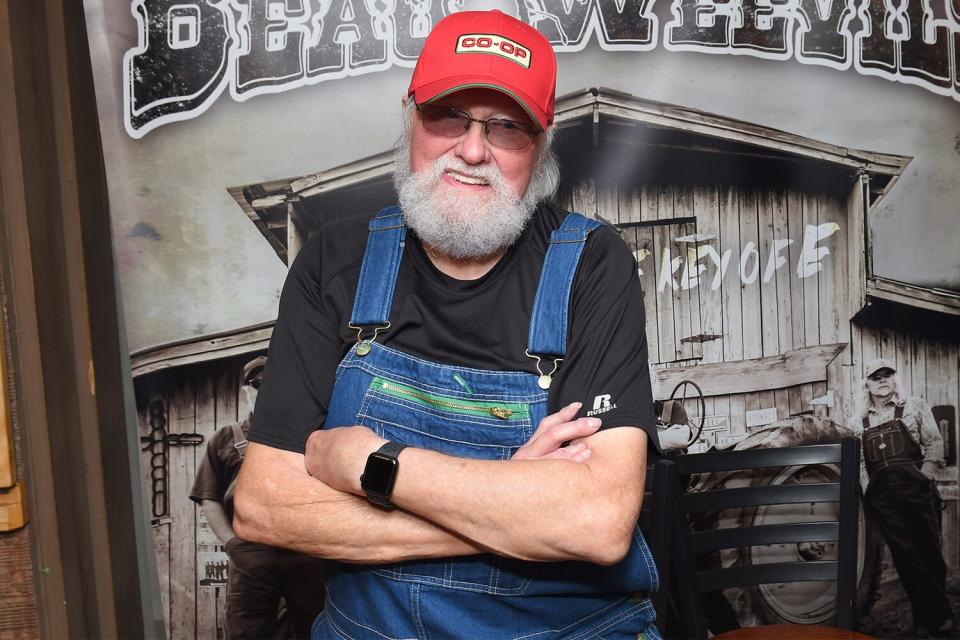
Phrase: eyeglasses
{"type": "Point", "coordinates": [883, 374]}
{"type": "Point", "coordinates": [453, 123]}
{"type": "Point", "coordinates": [253, 382]}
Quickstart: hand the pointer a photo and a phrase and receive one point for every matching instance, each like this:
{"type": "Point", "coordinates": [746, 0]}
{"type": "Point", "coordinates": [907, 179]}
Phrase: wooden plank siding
{"type": "Point", "coordinates": [706, 208]}
{"type": "Point", "coordinates": [770, 300]}
{"type": "Point", "coordinates": [228, 411]}
{"type": "Point", "coordinates": [811, 293]}
{"type": "Point", "coordinates": [200, 399]}
{"type": "Point", "coordinates": [206, 425]}
{"type": "Point", "coordinates": [740, 280]}
{"type": "Point", "coordinates": [729, 250]}
{"type": "Point", "coordinates": [183, 525]}
{"type": "Point", "coordinates": [749, 269]}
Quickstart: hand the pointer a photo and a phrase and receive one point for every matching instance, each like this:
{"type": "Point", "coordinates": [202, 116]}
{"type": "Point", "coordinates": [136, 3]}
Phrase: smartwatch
{"type": "Point", "coordinates": [380, 474]}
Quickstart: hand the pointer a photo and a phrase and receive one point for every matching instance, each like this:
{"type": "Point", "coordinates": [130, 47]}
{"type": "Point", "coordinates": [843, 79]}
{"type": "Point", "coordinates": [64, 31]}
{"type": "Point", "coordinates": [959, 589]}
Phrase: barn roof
{"type": "Point", "coordinates": [608, 116]}
{"type": "Point", "coordinates": [590, 121]}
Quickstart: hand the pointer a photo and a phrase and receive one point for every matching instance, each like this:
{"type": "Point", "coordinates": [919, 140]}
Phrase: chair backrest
{"type": "Point", "coordinates": [657, 521]}
{"type": "Point", "coordinates": [699, 507]}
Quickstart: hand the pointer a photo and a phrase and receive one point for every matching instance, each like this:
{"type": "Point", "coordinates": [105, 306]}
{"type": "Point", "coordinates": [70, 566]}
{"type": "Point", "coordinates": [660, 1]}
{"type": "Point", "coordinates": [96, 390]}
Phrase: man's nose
{"type": "Point", "coordinates": [473, 146]}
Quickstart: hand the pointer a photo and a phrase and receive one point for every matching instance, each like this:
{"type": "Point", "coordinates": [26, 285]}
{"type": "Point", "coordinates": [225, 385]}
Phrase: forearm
{"type": "Point", "coordinates": [278, 503]}
{"type": "Point", "coordinates": [534, 510]}
{"type": "Point", "coordinates": [217, 520]}
{"type": "Point", "coordinates": [536, 506]}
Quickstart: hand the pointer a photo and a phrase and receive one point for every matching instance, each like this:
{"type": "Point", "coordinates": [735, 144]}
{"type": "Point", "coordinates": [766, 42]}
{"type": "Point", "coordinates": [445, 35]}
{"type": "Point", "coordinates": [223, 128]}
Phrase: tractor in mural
{"type": "Point", "coordinates": [798, 603]}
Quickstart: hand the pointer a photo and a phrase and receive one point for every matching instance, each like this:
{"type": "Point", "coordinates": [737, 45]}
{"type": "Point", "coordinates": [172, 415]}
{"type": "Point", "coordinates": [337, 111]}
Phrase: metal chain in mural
{"type": "Point", "coordinates": [157, 444]}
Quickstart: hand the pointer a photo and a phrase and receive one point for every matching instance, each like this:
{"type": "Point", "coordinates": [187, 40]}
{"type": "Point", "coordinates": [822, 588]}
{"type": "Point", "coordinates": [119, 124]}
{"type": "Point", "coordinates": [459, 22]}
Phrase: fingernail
{"type": "Point", "coordinates": [574, 404]}
{"type": "Point", "coordinates": [594, 423]}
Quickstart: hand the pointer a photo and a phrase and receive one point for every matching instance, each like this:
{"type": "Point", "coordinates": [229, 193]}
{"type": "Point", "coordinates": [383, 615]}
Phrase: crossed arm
{"type": "Point", "coordinates": [549, 502]}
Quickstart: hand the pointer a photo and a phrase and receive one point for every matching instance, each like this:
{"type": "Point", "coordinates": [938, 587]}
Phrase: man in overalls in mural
{"type": "Point", "coordinates": [902, 450]}
{"type": "Point", "coordinates": [477, 360]}
{"type": "Point", "coordinates": [271, 592]}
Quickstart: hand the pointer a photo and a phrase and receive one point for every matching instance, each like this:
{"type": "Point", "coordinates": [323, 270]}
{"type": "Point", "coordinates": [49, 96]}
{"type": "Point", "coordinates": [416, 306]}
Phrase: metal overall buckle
{"type": "Point", "coordinates": [545, 378]}
{"type": "Point", "coordinates": [363, 344]}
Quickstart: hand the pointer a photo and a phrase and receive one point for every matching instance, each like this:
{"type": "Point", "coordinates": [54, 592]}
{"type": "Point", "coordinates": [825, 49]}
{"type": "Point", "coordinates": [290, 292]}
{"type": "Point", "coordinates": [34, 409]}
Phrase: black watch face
{"type": "Point", "coordinates": [379, 474]}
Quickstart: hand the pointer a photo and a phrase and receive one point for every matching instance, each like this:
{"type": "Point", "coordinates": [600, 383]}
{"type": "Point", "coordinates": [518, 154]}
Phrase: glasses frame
{"type": "Point", "coordinates": [882, 374]}
{"type": "Point", "coordinates": [468, 120]}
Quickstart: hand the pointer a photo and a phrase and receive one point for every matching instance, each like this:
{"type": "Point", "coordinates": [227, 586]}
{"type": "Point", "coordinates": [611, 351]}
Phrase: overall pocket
{"type": "Point", "coordinates": [883, 444]}
{"type": "Point", "coordinates": [485, 427]}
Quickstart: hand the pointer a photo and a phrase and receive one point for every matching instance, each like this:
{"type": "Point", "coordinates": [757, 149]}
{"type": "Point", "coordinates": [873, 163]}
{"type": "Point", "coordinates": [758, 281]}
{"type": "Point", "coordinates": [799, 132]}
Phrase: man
{"type": "Point", "coordinates": [259, 576]}
{"type": "Point", "coordinates": [447, 354]}
{"type": "Point", "coordinates": [902, 451]}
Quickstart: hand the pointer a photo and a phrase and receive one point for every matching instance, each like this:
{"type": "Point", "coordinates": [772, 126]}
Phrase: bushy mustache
{"type": "Point", "coordinates": [490, 173]}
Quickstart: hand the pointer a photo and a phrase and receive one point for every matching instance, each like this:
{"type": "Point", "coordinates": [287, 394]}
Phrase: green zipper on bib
{"type": "Point", "coordinates": [458, 405]}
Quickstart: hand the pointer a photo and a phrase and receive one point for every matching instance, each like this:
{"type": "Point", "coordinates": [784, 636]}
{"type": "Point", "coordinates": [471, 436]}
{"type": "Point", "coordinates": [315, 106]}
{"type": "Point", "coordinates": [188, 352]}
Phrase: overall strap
{"type": "Point", "coordinates": [378, 274]}
{"type": "Point", "coordinates": [898, 411]}
{"type": "Point", "coordinates": [866, 421]}
{"type": "Point", "coordinates": [239, 440]}
{"type": "Point", "coordinates": [548, 325]}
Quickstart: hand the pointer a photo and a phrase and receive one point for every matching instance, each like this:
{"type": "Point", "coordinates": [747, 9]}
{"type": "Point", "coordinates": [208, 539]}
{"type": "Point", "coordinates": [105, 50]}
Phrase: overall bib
{"type": "Point", "coordinates": [469, 413]}
{"type": "Point", "coordinates": [889, 444]}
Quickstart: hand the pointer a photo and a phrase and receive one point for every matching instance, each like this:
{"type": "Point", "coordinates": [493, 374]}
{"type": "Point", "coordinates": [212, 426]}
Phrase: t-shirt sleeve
{"type": "Point", "coordinates": [606, 367]}
{"type": "Point", "coordinates": [302, 358]}
{"type": "Point", "coordinates": [211, 481]}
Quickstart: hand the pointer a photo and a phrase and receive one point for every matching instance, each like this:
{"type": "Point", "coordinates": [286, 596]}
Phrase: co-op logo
{"type": "Point", "coordinates": [497, 45]}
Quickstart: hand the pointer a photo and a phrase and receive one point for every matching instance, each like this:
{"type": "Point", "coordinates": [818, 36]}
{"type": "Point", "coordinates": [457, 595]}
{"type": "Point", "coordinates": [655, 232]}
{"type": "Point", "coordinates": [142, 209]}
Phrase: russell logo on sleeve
{"type": "Point", "coordinates": [601, 404]}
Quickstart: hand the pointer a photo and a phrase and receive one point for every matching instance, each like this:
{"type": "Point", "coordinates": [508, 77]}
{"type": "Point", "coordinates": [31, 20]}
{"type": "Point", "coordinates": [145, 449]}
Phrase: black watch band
{"type": "Point", "coordinates": [380, 474]}
{"type": "Point", "coordinates": [392, 449]}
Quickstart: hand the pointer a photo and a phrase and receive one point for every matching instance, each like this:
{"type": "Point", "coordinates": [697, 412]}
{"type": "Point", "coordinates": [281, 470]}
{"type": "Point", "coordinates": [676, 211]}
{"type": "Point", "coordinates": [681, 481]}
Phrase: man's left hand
{"type": "Point", "coordinates": [929, 469]}
{"type": "Point", "coordinates": [337, 457]}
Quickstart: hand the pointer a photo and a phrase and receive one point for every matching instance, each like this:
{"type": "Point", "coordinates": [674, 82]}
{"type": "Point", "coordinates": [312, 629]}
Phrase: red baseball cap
{"type": "Point", "coordinates": [488, 49]}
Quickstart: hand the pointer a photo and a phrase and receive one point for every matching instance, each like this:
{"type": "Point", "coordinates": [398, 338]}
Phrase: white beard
{"type": "Point", "coordinates": [461, 224]}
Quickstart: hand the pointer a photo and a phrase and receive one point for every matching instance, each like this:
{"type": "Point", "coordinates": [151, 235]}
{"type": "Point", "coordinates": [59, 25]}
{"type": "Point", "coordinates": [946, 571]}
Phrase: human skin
{"type": "Point", "coordinates": [278, 502]}
{"type": "Point", "coordinates": [881, 390]}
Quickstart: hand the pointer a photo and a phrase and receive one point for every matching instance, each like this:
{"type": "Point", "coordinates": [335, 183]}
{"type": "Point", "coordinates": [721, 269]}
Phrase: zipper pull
{"type": "Point", "coordinates": [501, 412]}
{"type": "Point", "coordinates": [463, 383]}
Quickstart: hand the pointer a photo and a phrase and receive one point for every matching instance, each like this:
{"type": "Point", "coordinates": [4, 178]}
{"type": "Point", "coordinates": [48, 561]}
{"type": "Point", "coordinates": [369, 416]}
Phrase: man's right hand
{"type": "Point", "coordinates": [556, 429]}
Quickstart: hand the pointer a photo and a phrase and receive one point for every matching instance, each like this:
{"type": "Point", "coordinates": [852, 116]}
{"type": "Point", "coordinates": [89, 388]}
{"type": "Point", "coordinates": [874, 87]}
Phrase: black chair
{"type": "Point", "coordinates": [699, 507]}
{"type": "Point", "coordinates": [657, 521]}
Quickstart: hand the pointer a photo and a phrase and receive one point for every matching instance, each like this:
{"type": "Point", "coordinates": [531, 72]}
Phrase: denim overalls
{"type": "Point", "coordinates": [470, 413]}
{"type": "Point", "coordinates": [889, 444]}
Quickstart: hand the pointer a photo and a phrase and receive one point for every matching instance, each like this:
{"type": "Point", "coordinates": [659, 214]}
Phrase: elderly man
{"type": "Point", "coordinates": [476, 360]}
{"type": "Point", "coordinates": [902, 451]}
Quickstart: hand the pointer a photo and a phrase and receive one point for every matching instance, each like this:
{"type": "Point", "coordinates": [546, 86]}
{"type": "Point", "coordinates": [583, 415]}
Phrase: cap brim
{"type": "Point", "coordinates": [440, 88]}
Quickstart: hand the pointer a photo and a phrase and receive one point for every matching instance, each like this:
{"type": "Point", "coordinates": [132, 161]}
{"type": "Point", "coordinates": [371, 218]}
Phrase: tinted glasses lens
{"type": "Point", "coordinates": [443, 121]}
{"type": "Point", "coordinates": [508, 134]}
{"type": "Point", "coordinates": [255, 383]}
{"type": "Point", "coordinates": [881, 375]}
{"type": "Point", "coordinates": [452, 123]}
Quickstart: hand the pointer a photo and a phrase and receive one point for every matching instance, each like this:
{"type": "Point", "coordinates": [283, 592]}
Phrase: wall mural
{"type": "Point", "coordinates": [748, 207]}
{"type": "Point", "coordinates": [253, 48]}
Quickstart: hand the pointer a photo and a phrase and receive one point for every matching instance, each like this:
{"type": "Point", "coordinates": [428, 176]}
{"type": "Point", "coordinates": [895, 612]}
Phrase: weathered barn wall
{"type": "Point", "coordinates": [198, 399]}
{"type": "Point", "coordinates": [186, 252]}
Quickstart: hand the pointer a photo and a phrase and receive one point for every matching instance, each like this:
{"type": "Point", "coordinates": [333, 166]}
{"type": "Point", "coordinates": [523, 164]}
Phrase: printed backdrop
{"type": "Point", "coordinates": [735, 144]}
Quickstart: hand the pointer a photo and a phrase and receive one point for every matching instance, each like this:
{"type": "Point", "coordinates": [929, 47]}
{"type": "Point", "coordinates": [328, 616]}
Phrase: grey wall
{"type": "Point", "coordinates": [191, 263]}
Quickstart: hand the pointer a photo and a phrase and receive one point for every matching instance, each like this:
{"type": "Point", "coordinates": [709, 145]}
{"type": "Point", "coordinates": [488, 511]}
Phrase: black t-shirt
{"type": "Point", "coordinates": [479, 323]}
